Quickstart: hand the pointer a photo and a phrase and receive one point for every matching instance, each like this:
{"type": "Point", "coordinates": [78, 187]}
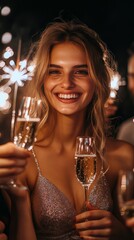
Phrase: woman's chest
{"type": "Point", "coordinates": [60, 171]}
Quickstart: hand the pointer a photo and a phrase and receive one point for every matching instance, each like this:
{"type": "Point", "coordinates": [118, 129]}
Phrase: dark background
{"type": "Point", "coordinates": [112, 19]}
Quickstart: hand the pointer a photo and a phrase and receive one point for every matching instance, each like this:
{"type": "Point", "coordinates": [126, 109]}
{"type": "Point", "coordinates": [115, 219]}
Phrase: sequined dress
{"type": "Point", "coordinates": [53, 213]}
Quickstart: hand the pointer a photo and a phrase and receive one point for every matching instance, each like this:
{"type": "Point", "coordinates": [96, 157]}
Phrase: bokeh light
{"type": "Point", "coordinates": [5, 11]}
{"type": "Point", "coordinates": [6, 37]}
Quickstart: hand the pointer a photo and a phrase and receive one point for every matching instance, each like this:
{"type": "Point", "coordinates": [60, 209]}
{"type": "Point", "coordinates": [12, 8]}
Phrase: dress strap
{"type": "Point", "coordinates": [36, 161]}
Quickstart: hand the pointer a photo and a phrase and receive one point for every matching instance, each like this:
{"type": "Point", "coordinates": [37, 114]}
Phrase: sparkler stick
{"type": "Point", "coordinates": [15, 92]}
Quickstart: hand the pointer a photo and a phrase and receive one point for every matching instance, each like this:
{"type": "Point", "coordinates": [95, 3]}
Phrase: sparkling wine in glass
{"type": "Point", "coordinates": [27, 121]}
{"type": "Point", "coordinates": [24, 130]}
{"type": "Point", "coordinates": [86, 164]}
{"type": "Point", "coordinates": [126, 193]}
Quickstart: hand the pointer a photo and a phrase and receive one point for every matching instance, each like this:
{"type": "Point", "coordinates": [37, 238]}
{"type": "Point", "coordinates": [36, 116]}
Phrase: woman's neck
{"type": "Point", "coordinates": [65, 129]}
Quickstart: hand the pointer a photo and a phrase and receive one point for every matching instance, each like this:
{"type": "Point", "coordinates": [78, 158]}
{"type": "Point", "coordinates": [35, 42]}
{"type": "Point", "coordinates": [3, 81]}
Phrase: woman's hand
{"type": "Point", "coordinates": [13, 160]}
{"type": "Point", "coordinates": [99, 225]}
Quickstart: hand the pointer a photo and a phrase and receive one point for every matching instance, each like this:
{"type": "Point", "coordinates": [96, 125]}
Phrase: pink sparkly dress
{"type": "Point", "coordinates": [54, 214]}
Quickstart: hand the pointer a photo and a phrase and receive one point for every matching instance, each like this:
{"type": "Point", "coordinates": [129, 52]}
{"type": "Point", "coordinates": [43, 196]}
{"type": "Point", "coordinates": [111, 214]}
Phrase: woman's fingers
{"type": "Point", "coordinates": [8, 172]}
{"type": "Point", "coordinates": [94, 238]}
{"type": "Point", "coordinates": [13, 159]}
{"type": "Point", "coordinates": [5, 162]}
{"type": "Point", "coordinates": [93, 215]}
{"type": "Point", "coordinates": [11, 150]}
{"type": "Point", "coordinates": [9, 167]}
{"type": "Point", "coordinates": [96, 232]}
{"type": "Point", "coordinates": [94, 224]}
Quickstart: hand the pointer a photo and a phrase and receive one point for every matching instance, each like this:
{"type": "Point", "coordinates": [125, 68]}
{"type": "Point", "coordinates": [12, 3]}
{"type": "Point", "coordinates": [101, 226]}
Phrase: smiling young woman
{"type": "Point", "coordinates": [72, 77]}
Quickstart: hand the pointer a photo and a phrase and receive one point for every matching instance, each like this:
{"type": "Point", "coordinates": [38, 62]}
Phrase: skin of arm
{"type": "Point", "coordinates": [21, 218]}
{"type": "Point", "coordinates": [13, 161]}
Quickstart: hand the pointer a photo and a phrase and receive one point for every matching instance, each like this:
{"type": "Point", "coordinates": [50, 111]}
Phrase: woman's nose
{"type": "Point", "coordinates": [67, 82]}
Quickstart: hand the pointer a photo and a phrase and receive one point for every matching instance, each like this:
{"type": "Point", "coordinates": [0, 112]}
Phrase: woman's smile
{"type": "Point", "coordinates": [68, 97]}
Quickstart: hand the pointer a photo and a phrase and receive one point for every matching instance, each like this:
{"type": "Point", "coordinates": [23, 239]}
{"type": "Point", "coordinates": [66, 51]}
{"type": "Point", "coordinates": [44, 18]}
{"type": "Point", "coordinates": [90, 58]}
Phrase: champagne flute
{"type": "Point", "coordinates": [26, 122]}
{"type": "Point", "coordinates": [86, 164]}
{"type": "Point", "coordinates": [126, 193]}
{"type": "Point", "coordinates": [24, 130]}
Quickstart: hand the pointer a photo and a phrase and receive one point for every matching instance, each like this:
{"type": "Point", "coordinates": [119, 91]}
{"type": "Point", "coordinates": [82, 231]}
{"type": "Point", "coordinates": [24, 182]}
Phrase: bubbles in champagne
{"type": "Point", "coordinates": [86, 168]}
{"type": "Point", "coordinates": [24, 134]}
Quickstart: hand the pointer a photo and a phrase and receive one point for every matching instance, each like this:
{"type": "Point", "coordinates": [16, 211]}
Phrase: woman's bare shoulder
{"type": "Point", "coordinates": [120, 152]}
{"type": "Point", "coordinates": [113, 143]}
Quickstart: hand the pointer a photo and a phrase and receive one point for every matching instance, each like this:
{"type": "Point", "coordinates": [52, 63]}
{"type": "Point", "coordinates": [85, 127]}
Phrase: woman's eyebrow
{"type": "Point", "coordinates": [76, 66]}
{"type": "Point", "coordinates": [55, 66]}
{"type": "Point", "coordinates": [80, 66]}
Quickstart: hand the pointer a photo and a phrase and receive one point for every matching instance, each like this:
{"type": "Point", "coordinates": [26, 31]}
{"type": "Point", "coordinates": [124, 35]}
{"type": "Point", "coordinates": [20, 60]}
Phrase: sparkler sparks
{"type": "Point", "coordinates": [4, 98]}
{"type": "Point", "coordinates": [115, 83]}
{"type": "Point", "coordinates": [13, 74]}
{"type": "Point", "coordinates": [17, 75]}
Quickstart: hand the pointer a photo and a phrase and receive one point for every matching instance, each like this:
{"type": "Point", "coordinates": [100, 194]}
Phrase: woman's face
{"type": "Point", "coordinates": [68, 86]}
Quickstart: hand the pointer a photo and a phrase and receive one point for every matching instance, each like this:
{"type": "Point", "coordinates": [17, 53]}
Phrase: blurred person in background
{"type": "Point", "coordinates": [130, 72]}
{"type": "Point", "coordinates": [119, 111]}
{"type": "Point", "coordinates": [110, 109]}
{"type": "Point", "coordinates": [126, 129]}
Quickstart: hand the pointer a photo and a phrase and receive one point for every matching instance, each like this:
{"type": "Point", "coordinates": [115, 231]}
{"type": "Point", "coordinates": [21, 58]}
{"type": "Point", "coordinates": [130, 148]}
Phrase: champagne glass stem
{"type": "Point", "coordinates": [14, 110]}
{"type": "Point", "coordinates": [86, 193]}
{"type": "Point", "coordinates": [86, 188]}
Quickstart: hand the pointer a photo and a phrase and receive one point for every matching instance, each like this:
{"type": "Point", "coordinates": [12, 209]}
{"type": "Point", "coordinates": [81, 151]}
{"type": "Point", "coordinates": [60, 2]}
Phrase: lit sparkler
{"type": "Point", "coordinates": [16, 74]}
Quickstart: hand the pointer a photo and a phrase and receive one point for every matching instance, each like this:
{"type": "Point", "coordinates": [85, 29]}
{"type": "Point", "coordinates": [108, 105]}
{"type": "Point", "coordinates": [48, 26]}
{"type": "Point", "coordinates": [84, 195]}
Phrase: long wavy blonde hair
{"type": "Point", "coordinates": [100, 65]}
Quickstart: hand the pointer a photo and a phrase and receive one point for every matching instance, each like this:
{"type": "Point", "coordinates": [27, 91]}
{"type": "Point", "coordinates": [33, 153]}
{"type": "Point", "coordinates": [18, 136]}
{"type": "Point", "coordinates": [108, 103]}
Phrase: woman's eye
{"type": "Point", "coordinates": [81, 72]}
{"type": "Point", "coordinates": [54, 72]}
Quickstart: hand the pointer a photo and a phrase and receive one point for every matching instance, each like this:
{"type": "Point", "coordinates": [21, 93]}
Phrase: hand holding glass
{"type": "Point", "coordinates": [126, 193]}
{"type": "Point", "coordinates": [24, 131]}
